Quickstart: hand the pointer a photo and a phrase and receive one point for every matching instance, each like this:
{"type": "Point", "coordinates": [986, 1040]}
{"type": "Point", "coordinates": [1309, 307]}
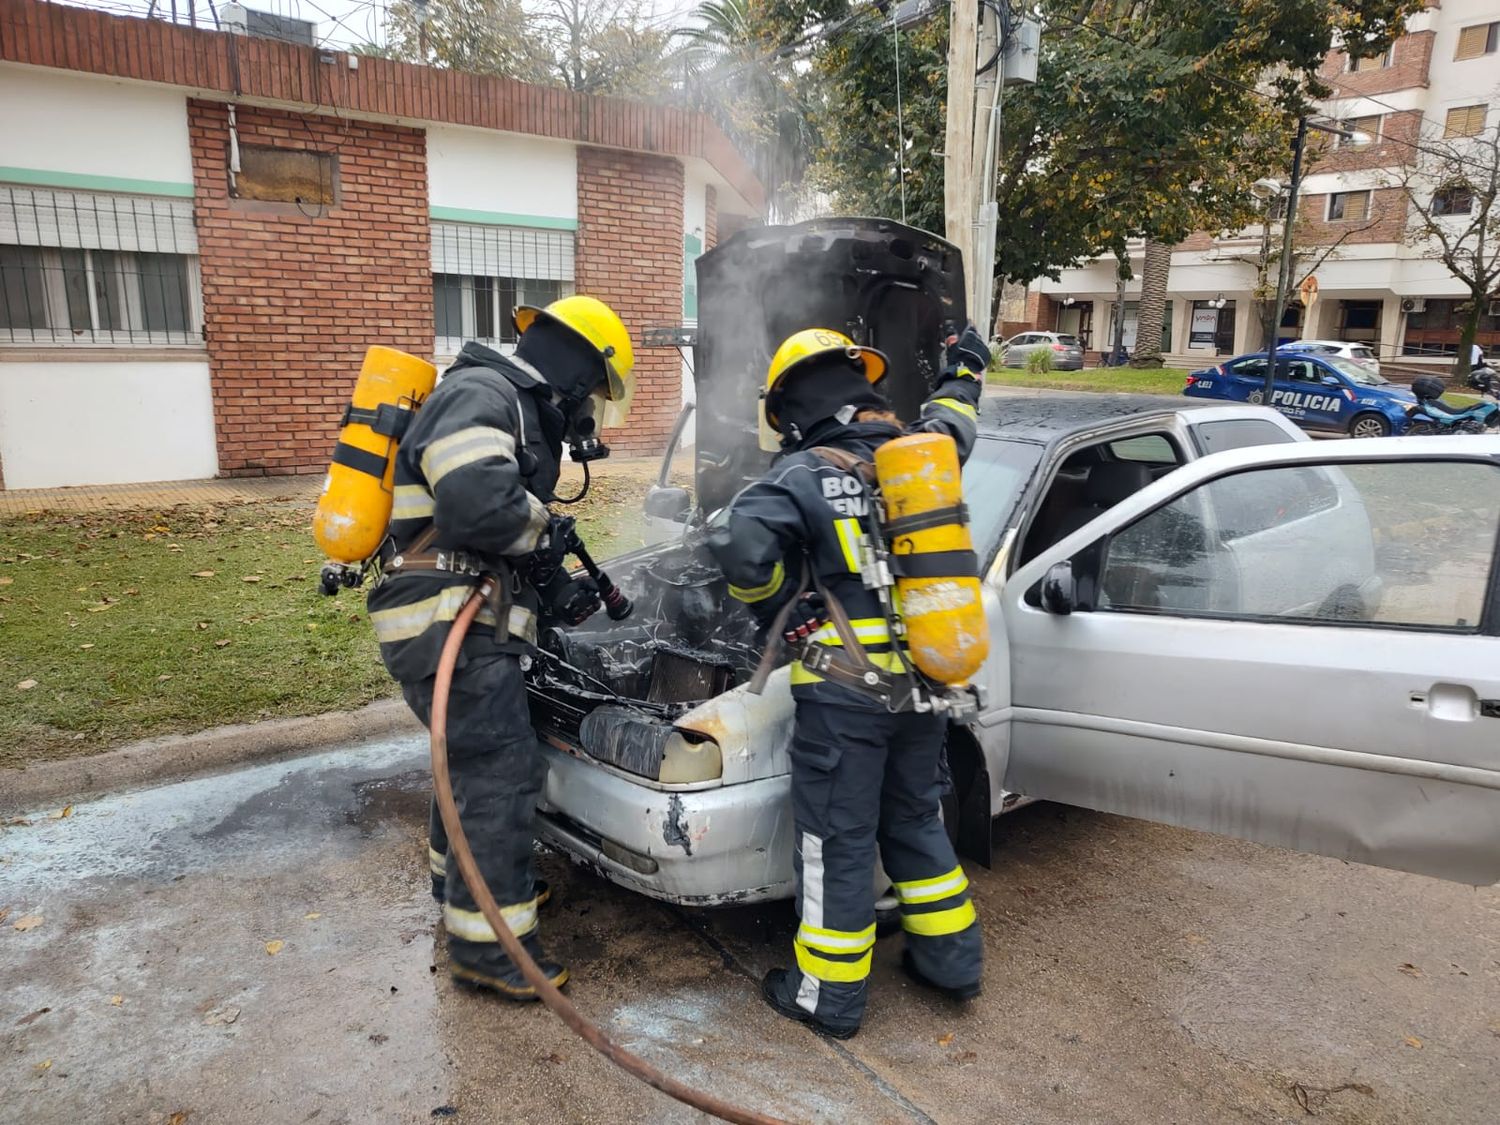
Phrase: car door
{"type": "Point", "coordinates": [1317, 392]}
{"type": "Point", "coordinates": [1297, 644]}
{"type": "Point", "coordinates": [1017, 349]}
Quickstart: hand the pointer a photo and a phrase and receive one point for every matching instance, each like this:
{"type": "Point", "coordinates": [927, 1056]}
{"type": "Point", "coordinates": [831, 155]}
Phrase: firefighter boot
{"type": "Point", "coordinates": [779, 989]}
{"type": "Point", "coordinates": [485, 966]}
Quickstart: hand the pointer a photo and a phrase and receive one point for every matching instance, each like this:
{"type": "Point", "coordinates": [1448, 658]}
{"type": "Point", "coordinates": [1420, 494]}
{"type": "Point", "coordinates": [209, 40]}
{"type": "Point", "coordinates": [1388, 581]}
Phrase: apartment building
{"type": "Point", "coordinates": [1440, 80]}
{"type": "Point", "coordinates": [201, 233]}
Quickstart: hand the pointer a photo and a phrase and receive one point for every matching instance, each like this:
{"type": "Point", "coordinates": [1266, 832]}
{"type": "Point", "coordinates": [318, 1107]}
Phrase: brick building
{"type": "Point", "coordinates": [1379, 286]}
{"type": "Point", "coordinates": [201, 233]}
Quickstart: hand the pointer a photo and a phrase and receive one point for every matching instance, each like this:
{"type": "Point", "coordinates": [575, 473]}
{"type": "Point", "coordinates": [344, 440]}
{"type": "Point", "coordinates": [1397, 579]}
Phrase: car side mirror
{"type": "Point", "coordinates": [1059, 589]}
{"type": "Point", "coordinates": [668, 503]}
{"type": "Point", "coordinates": [1330, 380]}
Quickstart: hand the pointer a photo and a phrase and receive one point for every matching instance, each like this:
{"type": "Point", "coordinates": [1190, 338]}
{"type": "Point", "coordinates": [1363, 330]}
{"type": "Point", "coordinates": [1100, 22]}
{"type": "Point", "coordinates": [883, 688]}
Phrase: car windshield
{"type": "Point", "coordinates": [1071, 341]}
{"type": "Point", "coordinates": [994, 478]}
{"type": "Point", "coordinates": [1354, 372]}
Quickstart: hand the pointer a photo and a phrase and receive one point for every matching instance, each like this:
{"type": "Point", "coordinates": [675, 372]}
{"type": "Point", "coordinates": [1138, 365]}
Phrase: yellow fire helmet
{"type": "Point", "coordinates": [808, 344]}
{"type": "Point", "coordinates": [602, 327]}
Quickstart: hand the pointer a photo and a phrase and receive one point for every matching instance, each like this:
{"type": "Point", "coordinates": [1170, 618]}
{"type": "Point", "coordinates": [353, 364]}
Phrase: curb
{"type": "Point", "coordinates": [174, 757]}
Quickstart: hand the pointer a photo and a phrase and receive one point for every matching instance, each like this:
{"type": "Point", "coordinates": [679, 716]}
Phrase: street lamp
{"type": "Point", "coordinates": [1289, 223]}
{"type": "Point", "coordinates": [1266, 189]}
{"type": "Point", "coordinates": [1218, 302]}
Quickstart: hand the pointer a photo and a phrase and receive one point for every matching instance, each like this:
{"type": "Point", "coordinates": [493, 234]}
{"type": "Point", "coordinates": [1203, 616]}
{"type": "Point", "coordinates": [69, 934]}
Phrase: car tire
{"type": "Point", "coordinates": [1368, 425]}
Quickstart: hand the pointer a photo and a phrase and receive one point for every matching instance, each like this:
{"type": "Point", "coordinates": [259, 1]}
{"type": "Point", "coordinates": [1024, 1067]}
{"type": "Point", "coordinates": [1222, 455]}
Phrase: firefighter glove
{"type": "Point", "coordinates": [968, 354]}
{"type": "Point", "coordinates": [809, 613]}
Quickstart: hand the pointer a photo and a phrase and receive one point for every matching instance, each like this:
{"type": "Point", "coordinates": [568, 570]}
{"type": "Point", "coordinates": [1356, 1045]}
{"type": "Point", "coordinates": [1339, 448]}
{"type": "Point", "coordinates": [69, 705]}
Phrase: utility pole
{"type": "Point", "coordinates": [960, 191]}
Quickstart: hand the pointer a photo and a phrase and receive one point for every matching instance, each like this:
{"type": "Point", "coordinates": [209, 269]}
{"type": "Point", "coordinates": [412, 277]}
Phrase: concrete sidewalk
{"type": "Point", "coordinates": [301, 489]}
{"type": "Point", "coordinates": [160, 494]}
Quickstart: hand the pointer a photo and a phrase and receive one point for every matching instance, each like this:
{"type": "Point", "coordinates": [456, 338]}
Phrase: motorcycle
{"type": "Point", "coordinates": [1431, 415]}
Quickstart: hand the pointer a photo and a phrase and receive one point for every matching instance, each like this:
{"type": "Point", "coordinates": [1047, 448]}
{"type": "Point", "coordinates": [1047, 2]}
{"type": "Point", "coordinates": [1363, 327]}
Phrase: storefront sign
{"type": "Point", "coordinates": [1204, 326]}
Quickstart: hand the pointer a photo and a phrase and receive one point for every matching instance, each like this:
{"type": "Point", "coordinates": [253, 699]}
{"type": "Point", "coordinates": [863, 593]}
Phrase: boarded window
{"type": "Point", "coordinates": [1465, 121]}
{"type": "Point", "coordinates": [1481, 39]}
{"type": "Point", "coordinates": [1348, 206]}
{"type": "Point", "coordinates": [281, 175]}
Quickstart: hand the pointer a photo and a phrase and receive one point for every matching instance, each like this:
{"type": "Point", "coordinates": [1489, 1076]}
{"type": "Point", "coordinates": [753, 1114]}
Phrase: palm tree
{"type": "Point", "coordinates": [1154, 271]}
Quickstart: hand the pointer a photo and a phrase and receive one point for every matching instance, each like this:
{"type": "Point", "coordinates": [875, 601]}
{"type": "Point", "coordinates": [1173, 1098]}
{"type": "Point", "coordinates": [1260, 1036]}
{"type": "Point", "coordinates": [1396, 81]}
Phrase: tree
{"type": "Point", "coordinates": [1452, 188]}
{"type": "Point", "coordinates": [1130, 130]}
{"type": "Point", "coordinates": [478, 36]}
{"type": "Point", "coordinates": [732, 61]}
{"type": "Point", "coordinates": [593, 46]}
{"type": "Point", "coordinates": [1151, 312]}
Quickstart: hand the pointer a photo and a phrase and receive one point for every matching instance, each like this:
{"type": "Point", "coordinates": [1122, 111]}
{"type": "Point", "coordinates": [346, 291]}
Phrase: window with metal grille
{"type": "Point", "coordinates": [1348, 206]}
{"type": "Point", "coordinates": [481, 273]}
{"type": "Point", "coordinates": [1478, 40]}
{"type": "Point", "coordinates": [1465, 121]}
{"type": "Point", "coordinates": [86, 268]}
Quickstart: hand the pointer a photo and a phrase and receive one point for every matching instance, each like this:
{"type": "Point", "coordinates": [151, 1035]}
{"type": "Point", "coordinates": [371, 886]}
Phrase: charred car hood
{"type": "Point", "coordinates": [884, 284]}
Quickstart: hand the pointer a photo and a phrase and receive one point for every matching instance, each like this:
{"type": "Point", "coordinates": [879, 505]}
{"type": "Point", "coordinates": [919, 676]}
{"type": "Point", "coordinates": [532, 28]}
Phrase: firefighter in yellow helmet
{"type": "Point", "coordinates": [864, 771]}
{"type": "Point", "coordinates": [473, 478]}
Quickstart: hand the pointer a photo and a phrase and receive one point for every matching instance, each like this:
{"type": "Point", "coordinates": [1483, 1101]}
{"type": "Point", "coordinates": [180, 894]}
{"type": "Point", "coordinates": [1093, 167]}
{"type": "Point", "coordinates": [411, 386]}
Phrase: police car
{"type": "Point", "coordinates": [1329, 393]}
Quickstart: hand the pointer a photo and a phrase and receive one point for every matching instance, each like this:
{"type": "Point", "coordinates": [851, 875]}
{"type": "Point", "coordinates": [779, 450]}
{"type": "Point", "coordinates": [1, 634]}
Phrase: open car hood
{"type": "Point", "coordinates": [885, 285]}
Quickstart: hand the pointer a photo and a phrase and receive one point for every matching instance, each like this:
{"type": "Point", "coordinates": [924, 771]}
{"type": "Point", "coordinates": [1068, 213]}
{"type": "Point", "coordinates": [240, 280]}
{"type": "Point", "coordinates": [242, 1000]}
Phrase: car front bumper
{"type": "Point", "coordinates": [705, 847]}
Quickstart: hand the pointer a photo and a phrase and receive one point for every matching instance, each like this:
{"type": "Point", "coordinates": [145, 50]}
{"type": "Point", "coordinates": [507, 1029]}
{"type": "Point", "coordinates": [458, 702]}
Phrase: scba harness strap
{"type": "Point", "coordinates": [421, 556]}
{"type": "Point", "coordinates": [389, 419]}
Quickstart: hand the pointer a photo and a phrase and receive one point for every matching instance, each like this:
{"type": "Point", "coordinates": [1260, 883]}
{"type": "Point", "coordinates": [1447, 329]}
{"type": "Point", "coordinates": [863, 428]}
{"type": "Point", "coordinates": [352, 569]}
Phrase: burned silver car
{"type": "Point", "coordinates": [1197, 616]}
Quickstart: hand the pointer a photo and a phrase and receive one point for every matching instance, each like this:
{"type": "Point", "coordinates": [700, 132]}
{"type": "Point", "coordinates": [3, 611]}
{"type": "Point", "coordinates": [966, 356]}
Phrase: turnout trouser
{"type": "Point", "coordinates": [862, 778]}
{"type": "Point", "coordinates": [497, 771]}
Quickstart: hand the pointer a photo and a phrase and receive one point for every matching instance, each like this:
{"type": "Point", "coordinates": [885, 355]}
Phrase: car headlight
{"type": "Point", "coordinates": [687, 757]}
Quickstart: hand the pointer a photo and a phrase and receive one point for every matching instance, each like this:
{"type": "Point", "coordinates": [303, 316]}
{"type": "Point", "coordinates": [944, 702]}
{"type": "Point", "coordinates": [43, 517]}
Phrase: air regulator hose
{"type": "Point", "coordinates": [458, 845]}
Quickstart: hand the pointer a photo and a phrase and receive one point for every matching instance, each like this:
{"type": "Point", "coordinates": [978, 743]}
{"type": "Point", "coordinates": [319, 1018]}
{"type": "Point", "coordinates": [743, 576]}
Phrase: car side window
{"type": "Point", "coordinates": [1305, 372]}
{"type": "Point", "coordinates": [1151, 449]}
{"type": "Point", "coordinates": [1251, 368]}
{"type": "Point", "coordinates": [1386, 543]}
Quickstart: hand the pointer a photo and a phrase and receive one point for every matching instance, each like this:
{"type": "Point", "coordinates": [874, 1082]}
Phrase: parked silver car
{"type": "Point", "coordinates": [1197, 617]}
{"type": "Point", "coordinates": [1362, 354]}
{"type": "Point", "coordinates": [1066, 351]}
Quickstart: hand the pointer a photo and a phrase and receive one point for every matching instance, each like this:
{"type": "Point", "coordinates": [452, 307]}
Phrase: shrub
{"type": "Point", "coordinates": [1039, 362]}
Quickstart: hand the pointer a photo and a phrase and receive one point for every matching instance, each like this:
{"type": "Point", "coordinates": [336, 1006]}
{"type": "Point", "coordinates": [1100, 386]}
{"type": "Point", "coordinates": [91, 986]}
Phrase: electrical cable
{"type": "Point", "coordinates": [900, 119]}
{"type": "Point", "coordinates": [468, 868]}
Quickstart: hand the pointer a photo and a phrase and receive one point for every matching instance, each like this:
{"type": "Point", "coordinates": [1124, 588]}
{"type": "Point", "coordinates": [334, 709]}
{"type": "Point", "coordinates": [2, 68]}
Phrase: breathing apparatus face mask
{"type": "Point", "coordinates": [584, 423]}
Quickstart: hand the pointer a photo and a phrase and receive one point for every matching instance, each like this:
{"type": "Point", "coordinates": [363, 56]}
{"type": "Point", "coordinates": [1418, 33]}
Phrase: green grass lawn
{"type": "Point", "coordinates": [1145, 381]}
{"type": "Point", "coordinates": [116, 626]}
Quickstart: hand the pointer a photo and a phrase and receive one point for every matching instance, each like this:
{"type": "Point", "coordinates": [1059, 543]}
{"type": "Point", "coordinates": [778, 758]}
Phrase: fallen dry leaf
{"type": "Point", "coordinates": [1413, 1041]}
{"type": "Point", "coordinates": [62, 813]}
{"type": "Point", "coordinates": [32, 1017]}
{"type": "Point", "coordinates": [164, 677]}
{"type": "Point", "coordinates": [312, 915]}
{"type": "Point", "coordinates": [26, 685]}
{"type": "Point", "coordinates": [203, 574]}
{"type": "Point", "coordinates": [1195, 939]}
{"type": "Point", "coordinates": [43, 1066]}
{"type": "Point", "coordinates": [132, 592]}
{"type": "Point", "coordinates": [179, 1118]}
{"type": "Point", "coordinates": [101, 607]}
{"type": "Point", "coordinates": [6, 581]}
{"type": "Point", "coordinates": [250, 578]}
{"type": "Point", "coordinates": [27, 922]}
{"type": "Point", "coordinates": [275, 947]}
{"type": "Point", "coordinates": [221, 644]}
{"type": "Point", "coordinates": [202, 625]}
{"type": "Point", "coordinates": [4, 913]}
{"type": "Point", "coordinates": [85, 646]}
{"type": "Point", "coordinates": [1409, 969]}
{"type": "Point", "coordinates": [223, 1016]}
{"type": "Point", "coordinates": [117, 1000]}
{"type": "Point", "coordinates": [944, 1040]}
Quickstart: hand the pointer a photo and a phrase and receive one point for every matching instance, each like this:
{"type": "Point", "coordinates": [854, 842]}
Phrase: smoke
{"type": "Point", "coordinates": [884, 285]}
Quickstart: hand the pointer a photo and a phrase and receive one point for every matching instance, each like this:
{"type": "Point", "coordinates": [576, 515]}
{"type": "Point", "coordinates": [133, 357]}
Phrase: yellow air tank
{"type": "Point", "coordinates": [936, 581]}
{"type": "Point", "coordinates": [355, 506]}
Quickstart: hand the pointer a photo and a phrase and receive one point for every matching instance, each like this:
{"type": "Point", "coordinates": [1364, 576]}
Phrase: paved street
{"type": "Point", "coordinates": [1135, 973]}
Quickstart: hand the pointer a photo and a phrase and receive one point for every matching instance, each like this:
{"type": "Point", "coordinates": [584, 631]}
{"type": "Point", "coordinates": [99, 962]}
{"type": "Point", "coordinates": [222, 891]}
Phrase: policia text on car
{"type": "Point", "coordinates": [841, 549]}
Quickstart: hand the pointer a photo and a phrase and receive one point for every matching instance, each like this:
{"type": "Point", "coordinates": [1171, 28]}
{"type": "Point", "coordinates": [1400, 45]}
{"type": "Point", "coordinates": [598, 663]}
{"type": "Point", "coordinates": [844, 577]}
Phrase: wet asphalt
{"type": "Point", "coordinates": [1135, 973]}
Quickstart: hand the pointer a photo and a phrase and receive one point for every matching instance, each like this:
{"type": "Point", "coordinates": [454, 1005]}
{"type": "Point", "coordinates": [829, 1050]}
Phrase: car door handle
{"type": "Point", "coordinates": [1455, 703]}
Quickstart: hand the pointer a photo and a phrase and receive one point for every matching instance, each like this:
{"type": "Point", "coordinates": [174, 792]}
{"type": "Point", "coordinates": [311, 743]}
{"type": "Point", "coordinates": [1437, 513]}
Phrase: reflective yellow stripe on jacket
{"type": "Point", "coordinates": [765, 590]}
{"type": "Point", "coordinates": [405, 622]}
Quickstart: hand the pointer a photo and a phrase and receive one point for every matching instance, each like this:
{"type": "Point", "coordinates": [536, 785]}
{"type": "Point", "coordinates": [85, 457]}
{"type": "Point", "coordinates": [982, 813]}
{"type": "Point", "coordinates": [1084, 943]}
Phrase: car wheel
{"type": "Point", "coordinates": [1421, 429]}
{"type": "Point", "coordinates": [1369, 425]}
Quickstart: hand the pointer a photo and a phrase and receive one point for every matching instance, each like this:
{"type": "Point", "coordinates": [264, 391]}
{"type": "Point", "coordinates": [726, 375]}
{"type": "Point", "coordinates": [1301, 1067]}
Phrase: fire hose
{"type": "Point", "coordinates": [550, 995]}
